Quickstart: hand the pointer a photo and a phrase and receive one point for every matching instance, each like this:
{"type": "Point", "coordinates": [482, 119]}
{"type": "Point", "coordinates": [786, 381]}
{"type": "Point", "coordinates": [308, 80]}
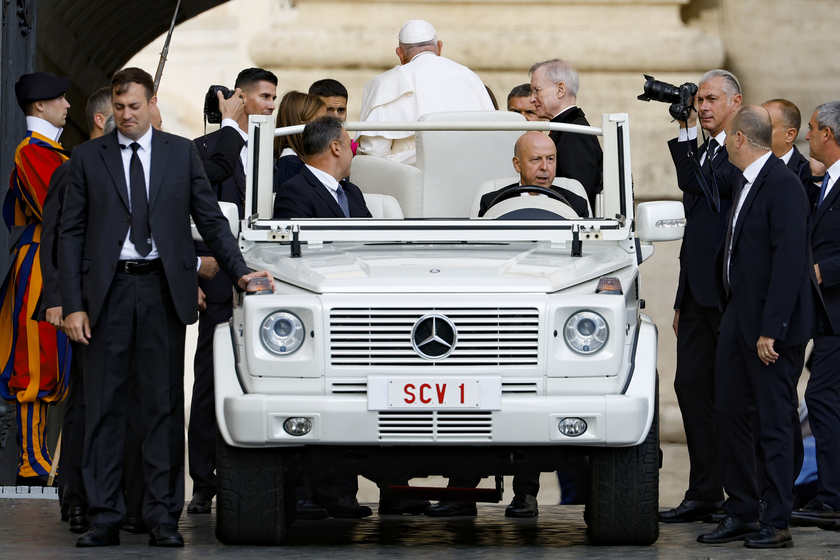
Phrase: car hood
{"type": "Point", "coordinates": [429, 268]}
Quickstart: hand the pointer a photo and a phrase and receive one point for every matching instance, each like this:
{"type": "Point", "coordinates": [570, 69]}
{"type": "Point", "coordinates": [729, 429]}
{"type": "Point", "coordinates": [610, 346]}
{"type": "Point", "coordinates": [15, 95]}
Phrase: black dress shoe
{"type": "Point", "coordinates": [689, 511]}
{"type": "Point", "coordinates": [452, 509]}
{"type": "Point", "coordinates": [523, 505]}
{"type": "Point", "coordinates": [402, 507]}
{"type": "Point", "coordinates": [308, 510]}
{"type": "Point", "coordinates": [99, 535]}
{"type": "Point", "coordinates": [78, 520]}
{"type": "Point", "coordinates": [770, 537]}
{"type": "Point", "coordinates": [166, 534]}
{"type": "Point", "coordinates": [816, 513]}
{"type": "Point", "coordinates": [135, 524]}
{"type": "Point", "coordinates": [347, 507]}
{"type": "Point", "coordinates": [201, 502]}
{"type": "Point", "coordinates": [730, 529]}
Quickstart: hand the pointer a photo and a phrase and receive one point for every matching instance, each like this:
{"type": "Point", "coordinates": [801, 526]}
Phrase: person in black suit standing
{"type": "Point", "coordinates": [554, 87]}
{"type": "Point", "coordinates": [766, 273]}
{"type": "Point", "coordinates": [129, 282]}
{"type": "Point", "coordinates": [786, 120]}
{"type": "Point", "coordinates": [822, 393]}
{"type": "Point", "coordinates": [534, 158]}
{"type": "Point", "coordinates": [223, 154]}
{"type": "Point", "coordinates": [697, 314]}
{"type": "Point", "coordinates": [321, 189]}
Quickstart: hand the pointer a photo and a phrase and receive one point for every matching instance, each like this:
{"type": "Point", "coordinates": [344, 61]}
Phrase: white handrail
{"type": "Point", "coordinates": [543, 126]}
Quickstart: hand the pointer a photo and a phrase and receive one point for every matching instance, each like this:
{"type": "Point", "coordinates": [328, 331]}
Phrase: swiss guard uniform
{"type": "Point", "coordinates": [34, 357]}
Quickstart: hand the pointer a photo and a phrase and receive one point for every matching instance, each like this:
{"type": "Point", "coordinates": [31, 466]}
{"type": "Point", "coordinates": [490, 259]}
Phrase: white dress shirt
{"type": "Point", "coordinates": [144, 152]}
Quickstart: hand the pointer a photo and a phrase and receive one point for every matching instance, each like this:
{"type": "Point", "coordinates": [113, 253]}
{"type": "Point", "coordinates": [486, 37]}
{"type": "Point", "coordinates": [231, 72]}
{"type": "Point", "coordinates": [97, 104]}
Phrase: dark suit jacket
{"type": "Point", "coordinates": [303, 196]}
{"type": "Point", "coordinates": [770, 270]}
{"type": "Point", "coordinates": [825, 246]}
{"type": "Point", "coordinates": [50, 219]}
{"type": "Point", "coordinates": [286, 168]}
{"type": "Point", "coordinates": [800, 165]}
{"type": "Point", "coordinates": [96, 219]}
{"type": "Point", "coordinates": [579, 156]}
{"type": "Point", "coordinates": [219, 152]}
{"type": "Point", "coordinates": [705, 229]}
{"type": "Point", "coordinates": [577, 203]}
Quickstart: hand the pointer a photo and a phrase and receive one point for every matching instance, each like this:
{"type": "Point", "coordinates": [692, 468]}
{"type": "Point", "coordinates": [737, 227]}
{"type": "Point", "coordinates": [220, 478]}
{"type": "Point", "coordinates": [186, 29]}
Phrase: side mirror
{"type": "Point", "coordinates": [660, 221]}
{"type": "Point", "coordinates": [230, 211]}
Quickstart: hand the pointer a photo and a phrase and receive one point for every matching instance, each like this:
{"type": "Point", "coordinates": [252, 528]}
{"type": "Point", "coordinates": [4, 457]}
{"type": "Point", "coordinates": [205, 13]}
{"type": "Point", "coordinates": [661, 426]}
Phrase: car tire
{"type": "Point", "coordinates": [250, 497]}
{"type": "Point", "coordinates": [624, 495]}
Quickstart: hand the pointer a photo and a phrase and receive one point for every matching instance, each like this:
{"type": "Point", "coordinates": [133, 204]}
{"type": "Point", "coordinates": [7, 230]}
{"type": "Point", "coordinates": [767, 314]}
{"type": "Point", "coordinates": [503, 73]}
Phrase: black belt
{"type": "Point", "coordinates": [140, 267]}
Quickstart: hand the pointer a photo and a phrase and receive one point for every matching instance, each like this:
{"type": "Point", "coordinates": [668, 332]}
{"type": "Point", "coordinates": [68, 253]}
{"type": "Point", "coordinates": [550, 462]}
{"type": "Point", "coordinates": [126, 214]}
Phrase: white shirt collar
{"type": "Point", "coordinates": [569, 108]}
{"type": "Point", "coordinates": [44, 128]}
{"type": "Point", "coordinates": [751, 172]}
{"type": "Point", "coordinates": [326, 179]}
{"type": "Point", "coordinates": [145, 141]}
{"type": "Point", "coordinates": [786, 158]}
{"type": "Point", "coordinates": [413, 58]}
{"type": "Point", "coordinates": [288, 152]}
{"type": "Point", "coordinates": [833, 172]}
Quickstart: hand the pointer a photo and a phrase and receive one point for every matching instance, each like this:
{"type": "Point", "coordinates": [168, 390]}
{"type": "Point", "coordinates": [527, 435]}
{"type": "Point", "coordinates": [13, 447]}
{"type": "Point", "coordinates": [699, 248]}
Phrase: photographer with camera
{"type": "Point", "coordinates": [697, 314]}
{"type": "Point", "coordinates": [224, 155]}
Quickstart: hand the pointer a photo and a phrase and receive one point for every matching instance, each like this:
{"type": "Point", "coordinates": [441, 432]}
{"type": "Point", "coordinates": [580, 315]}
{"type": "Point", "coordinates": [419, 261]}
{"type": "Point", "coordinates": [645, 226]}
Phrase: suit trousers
{"type": "Point", "coordinates": [137, 345]}
{"type": "Point", "coordinates": [823, 399]}
{"type": "Point", "coordinates": [694, 384]}
{"type": "Point", "coordinates": [745, 387]}
{"type": "Point", "coordinates": [73, 433]}
{"type": "Point", "coordinates": [202, 428]}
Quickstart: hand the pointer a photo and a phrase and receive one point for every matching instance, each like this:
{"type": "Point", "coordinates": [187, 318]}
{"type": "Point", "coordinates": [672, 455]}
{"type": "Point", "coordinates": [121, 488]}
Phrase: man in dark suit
{"type": "Point", "coordinates": [822, 393]}
{"type": "Point", "coordinates": [321, 189]}
{"type": "Point", "coordinates": [766, 274]}
{"type": "Point", "coordinates": [72, 493]}
{"type": "Point", "coordinates": [223, 154]}
{"type": "Point", "coordinates": [534, 158]}
{"type": "Point", "coordinates": [554, 87]}
{"type": "Point", "coordinates": [128, 271]}
{"type": "Point", "coordinates": [706, 198]}
{"type": "Point", "coordinates": [786, 122]}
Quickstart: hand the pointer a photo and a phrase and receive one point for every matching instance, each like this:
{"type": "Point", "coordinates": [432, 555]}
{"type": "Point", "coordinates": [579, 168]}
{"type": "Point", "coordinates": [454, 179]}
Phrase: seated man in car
{"type": "Point", "coordinates": [534, 158]}
{"type": "Point", "coordinates": [321, 189]}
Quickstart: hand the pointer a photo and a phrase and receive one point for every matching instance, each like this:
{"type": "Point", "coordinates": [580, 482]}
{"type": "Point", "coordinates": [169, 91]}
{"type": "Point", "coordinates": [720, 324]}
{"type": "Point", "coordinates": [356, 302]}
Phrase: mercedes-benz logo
{"type": "Point", "coordinates": [433, 337]}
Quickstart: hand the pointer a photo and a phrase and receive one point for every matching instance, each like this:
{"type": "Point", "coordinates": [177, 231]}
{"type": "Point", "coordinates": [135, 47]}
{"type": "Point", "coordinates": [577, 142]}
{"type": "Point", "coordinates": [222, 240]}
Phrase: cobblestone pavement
{"type": "Point", "coordinates": [31, 529]}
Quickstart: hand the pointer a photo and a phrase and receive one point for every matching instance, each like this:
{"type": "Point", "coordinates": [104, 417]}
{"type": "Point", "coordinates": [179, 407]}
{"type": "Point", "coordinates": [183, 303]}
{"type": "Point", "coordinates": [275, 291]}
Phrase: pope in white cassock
{"type": "Point", "coordinates": [423, 83]}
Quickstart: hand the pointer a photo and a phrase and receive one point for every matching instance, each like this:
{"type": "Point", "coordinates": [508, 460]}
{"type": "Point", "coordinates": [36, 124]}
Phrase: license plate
{"type": "Point", "coordinates": [434, 393]}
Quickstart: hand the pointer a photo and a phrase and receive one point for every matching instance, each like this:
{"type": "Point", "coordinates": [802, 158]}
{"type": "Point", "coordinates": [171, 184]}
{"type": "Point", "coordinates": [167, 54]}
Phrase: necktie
{"type": "Point", "coordinates": [342, 201]}
{"type": "Point", "coordinates": [823, 188]}
{"type": "Point", "coordinates": [139, 204]}
{"type": "Point", "coordinates": [711, 149]}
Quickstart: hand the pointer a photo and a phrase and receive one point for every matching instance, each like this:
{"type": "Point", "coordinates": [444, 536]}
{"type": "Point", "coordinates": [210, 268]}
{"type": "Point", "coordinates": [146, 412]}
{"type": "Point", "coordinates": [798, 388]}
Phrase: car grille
{"type": "Point", "coordinates": [374, 337]}
{"type": "Point", "coordinates": [435, 426]}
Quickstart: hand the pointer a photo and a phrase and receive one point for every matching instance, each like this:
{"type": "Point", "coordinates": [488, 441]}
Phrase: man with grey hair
{"type": "Point", "coordinates": [697, 306]}
{"type": "Point", "coordinates": [822, 395]}
{"type": "Point", "coordinates": [424, 82]}
{"type": "Point", "coordinates": [769, 315]}
{"type": "Point", "coordinates": [554, 87]}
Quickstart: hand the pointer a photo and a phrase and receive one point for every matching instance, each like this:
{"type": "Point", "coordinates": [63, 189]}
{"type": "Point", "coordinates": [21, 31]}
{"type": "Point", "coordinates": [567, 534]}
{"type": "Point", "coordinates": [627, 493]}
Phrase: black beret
{"type": "Point", "coordinates": [39, 86]}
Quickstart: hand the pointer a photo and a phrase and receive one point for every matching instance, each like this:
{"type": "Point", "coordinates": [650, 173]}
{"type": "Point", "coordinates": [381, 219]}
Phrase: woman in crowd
{"type": "Point", "coordinates": [295, 108]}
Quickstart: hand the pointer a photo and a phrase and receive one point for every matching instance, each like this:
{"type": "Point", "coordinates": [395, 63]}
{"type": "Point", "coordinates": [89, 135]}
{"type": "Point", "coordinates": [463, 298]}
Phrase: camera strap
{"type": "Point", "coordinates": [711, 192]}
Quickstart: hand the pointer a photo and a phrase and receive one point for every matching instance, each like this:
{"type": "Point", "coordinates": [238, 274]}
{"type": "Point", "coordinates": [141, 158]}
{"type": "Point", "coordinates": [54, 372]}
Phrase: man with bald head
{"type": "Point", "coordinates": [786, 120]}
{"type": "Point", "coordinates": [535, 159]}
{"type": "Point", "coordinates": [766, 273]}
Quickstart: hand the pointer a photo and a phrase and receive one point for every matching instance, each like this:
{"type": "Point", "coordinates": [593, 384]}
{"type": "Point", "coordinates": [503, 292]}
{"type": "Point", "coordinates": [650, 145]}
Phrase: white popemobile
{"type": "Point", "coordinates": [404, 347]}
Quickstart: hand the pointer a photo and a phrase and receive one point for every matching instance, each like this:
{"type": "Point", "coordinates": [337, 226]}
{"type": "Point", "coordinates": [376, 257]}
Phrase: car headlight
{"type": "Point", "coordinates": [586, 333]}
{"type": "Point", "coordinates": [282, 333]}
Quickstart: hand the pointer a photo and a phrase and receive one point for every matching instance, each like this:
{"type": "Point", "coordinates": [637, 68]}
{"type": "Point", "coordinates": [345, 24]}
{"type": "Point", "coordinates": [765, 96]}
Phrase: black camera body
{"type": "Point", "coordinates": [680, 97]}
{"type": "Point", "coordinates": [211, 103]}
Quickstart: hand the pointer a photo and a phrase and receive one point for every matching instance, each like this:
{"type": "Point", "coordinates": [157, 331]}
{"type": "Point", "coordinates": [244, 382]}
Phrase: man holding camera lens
{"type": "Point", "coordinates": [697, 313]}
{"type": "Point", "coordinates": [223, 154]}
